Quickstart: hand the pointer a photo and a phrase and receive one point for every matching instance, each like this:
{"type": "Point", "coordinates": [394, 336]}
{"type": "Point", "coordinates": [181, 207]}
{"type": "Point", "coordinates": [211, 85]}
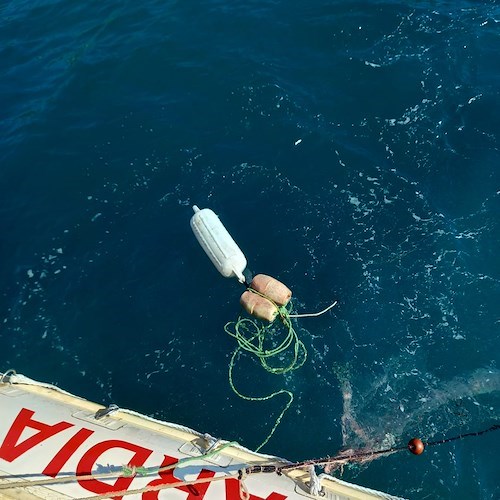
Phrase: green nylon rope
{"type": "Point", "coordinates": [262, 340]}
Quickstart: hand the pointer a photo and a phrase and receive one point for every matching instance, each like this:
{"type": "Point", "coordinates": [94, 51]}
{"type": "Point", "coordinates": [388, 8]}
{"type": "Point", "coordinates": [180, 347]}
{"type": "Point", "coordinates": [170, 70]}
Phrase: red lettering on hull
{"type": "Point", "coordinates": [63, 455]}
{"type": "Point", "coordinates": [167, 477]}
{"type": "Point", "coordinates": [11, 449]}
{"type": "Point", "coordinates": [91, 456]}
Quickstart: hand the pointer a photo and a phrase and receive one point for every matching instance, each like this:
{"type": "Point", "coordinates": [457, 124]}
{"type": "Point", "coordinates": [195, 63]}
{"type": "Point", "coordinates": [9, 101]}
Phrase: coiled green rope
{"type": "Point", "coordinates": [268, 342]}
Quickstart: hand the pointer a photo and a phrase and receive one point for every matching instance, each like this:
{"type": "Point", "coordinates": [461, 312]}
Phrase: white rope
{"type": "Point", "coordinates": [7, 375]}
{"type": "Point", "coordinates": [313, 315]}
{"type": "Point", "coordinates": [244, 493]}
{"type": "Point", "coordinates": [314, 481]}
{"type": "Point", "coordinates": [158, 487]}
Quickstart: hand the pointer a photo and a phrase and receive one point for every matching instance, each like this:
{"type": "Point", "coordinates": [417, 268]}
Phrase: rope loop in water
{"type": "Point", "coordinates": [277, 355]}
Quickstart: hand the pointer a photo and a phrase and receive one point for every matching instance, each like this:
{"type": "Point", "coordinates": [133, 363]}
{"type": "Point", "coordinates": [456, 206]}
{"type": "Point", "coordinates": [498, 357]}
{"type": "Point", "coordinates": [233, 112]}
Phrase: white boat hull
{"type": "Point", "coordinates": [49, 435]}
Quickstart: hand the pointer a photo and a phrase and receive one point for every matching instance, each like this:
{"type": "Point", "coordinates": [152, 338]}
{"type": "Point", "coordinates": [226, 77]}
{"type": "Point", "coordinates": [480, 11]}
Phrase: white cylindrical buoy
{"type": "Point", "coordinates": [218, 244]}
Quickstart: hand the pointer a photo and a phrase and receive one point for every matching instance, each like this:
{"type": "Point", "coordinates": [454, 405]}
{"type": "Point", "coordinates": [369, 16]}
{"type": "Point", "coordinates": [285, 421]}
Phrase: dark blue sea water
{"type": "Point", "coordinates": [351, 148]}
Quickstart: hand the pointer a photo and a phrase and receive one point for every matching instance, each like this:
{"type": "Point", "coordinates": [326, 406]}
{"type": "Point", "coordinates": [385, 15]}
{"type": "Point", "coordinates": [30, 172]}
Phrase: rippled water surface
{"type": "Point", "coordinates": [351, 149]}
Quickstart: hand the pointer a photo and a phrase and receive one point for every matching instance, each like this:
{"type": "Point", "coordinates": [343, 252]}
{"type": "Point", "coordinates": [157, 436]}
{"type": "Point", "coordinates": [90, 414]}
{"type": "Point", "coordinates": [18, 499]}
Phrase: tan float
{"type": "Point", "coordinates": [258, 306]}
{"type": "Point", "coordinates": [272, 288]}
